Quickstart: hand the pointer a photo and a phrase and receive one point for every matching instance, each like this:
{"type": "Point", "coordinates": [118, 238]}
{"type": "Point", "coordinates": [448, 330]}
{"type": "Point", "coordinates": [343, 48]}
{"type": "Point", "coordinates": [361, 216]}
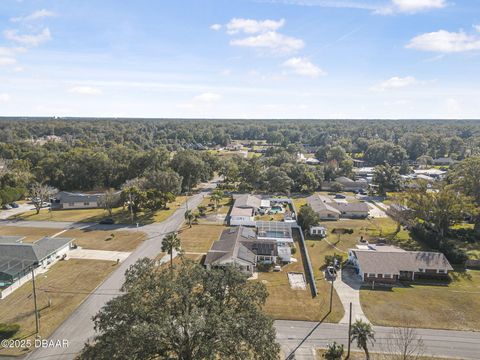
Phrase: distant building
{"type": "Point", "coordinates": [347, 184]}
{"type": "Point", "coordinates": [444, 161]}
{"type": "Point", "coordinates": [244, 209]}
{"type": "Point", "coordinates": [328, 209]}
{"type": "Point", "coordinates": [65, 200]}
{"type": "Point", "coordinates": [317, 230]}
{"type": "Point", "coordinates": [389, 264]}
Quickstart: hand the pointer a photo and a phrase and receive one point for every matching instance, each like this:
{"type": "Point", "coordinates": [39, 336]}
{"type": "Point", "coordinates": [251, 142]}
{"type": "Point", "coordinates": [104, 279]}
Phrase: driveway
{"type": "Point", "coordinates": [97, 254]}
{"type": "Point", "coordinates": [347, 286]}
{"type": "Point", "coordinates": [375, 212]}
{"type": "Point", "coordinates": [5, 214]}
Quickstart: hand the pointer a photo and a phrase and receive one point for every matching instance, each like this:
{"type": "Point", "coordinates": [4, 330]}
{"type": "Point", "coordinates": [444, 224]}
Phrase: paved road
{"type": "Point", "coordinates": [5, 214]}
{"type": "Point", "coordinates": [446, 343]}
{"type": "Point", "coordinates": [78, 328]}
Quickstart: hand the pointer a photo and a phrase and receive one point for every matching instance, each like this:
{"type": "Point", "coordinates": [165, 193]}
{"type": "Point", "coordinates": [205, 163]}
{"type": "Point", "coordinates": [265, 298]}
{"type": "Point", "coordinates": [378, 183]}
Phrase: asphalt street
{"type": "Point", "coordinates": [78, 328]}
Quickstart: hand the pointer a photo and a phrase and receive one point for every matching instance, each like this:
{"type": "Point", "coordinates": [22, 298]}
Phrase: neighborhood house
{"type": "Point", "coordinates": [245, 247]}
{"type": "Point", "coordinates": [67, 200]}
{"type": "Point", "coordinates": [389, 264]}
{"type": "Point", "coordinates": [327, 209]}
{"type": "Point", "coordinates": [18, 259]}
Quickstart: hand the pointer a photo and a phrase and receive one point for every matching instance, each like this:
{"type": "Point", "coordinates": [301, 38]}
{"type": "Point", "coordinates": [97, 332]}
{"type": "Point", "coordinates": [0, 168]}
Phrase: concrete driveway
{"type": "Point", "coordinates": [375, 212]}
{"type": "Point", "coordinates": [5, 214]}
{"type": "Point", "coordinates": [348, 286]}
{"type": "Point", "coordinates": [97, 254]}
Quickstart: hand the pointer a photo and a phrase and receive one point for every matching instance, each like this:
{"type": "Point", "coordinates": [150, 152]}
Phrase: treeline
{"type": "Point", "coordinates": [361, 138]}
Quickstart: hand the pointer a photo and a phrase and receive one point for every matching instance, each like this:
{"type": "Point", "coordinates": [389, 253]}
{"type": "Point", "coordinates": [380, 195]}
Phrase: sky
{"type": "Point", "coordinates": [321, 59]}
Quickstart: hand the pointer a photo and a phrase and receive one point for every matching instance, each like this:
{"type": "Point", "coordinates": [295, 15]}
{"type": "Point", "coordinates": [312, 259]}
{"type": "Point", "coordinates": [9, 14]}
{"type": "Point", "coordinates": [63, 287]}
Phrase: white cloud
{"type": "Point", "coordinates": [377, 7]}
{"type": "Point", "coordinates": [5, 61]}
{"type": "Point", "coordinates": [250, 26]}
{"type": "Point", "coordinates": [4, 97]}
{"type": "Point", "coordinates": [304, 67]}
{"type": "Point", "coordinates": [477, 27]}
{"type": "Point", "coordinates": [412, 6]}
{"type": "Point", "coordinates": [85, 90]}
{"type": "Point", "coordinates": [445, 42]}
{"type": "Point", "coordinates": [39, 14]}
{"type": "Point", "coordinates": [271, 41]}
{"type": "Point", "coordinates": [28, 39]}
{"type": "Point", "coordinates": [216, 27]}
{"type": "Point", "coordinates": [395, 82]}
{"type": "Point", "coordinates": [207, 97]}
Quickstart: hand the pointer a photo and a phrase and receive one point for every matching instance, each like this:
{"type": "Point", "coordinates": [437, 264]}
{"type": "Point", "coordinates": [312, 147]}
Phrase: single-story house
{"type": "Point", "coordinates": [245, 247]}
{"type": "Point", "coordinates": [349, 210]}
{"type": "Point", "coordinates": [444, 161]}
{"type": "Point", "coordinates": [329, 209]}
{"type": "Point", "coordinates": [67, 200]}
{"type": "Point", "coordinates": [18, 259]}
{"type": "Point", "coordinates": [352, 185]}
{"type": "Point", "coordinates": [389, 264]}
{"type": "Point", "coordinates": [244, 209]}
{"type": "Point", "coordinates": [324, 207]}
{"type": "Point", "coordinates": [317, 230]}
{"type": "Point", "coordinates": [434, 173]}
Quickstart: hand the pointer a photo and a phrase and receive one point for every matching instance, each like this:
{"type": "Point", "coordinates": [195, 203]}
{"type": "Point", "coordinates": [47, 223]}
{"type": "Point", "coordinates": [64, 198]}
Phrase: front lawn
{"type": "Point", "coordinates": [103, 239]}
{"type": "Point", "coordinates": [64, 286]}
{"type": "Point", "coordinates": [199, 238]}
{"type": "Point", "coordinates": [455, 306]}
{"type": "Point", "coordinates": [120, 215]}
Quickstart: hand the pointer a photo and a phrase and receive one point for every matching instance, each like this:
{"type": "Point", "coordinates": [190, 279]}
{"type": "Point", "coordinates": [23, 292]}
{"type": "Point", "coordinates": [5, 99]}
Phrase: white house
{"type": "Point", "coordinates": [318, 230]}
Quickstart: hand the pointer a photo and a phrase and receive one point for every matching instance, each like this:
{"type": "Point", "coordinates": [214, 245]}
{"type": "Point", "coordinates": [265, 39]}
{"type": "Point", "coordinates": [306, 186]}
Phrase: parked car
{"type": "Point", "coordinates": [331, 272]}
{"type": "Point", "coordinates": [6, 207]}
{"type": "Point", "coordinates": [340, 196]}
{"type": "Point", "coordinates": [277, 268]}
{"type": "Point", "coordinates": [14, 205]}
{"type": "Point", "coordinates": [107, 221]}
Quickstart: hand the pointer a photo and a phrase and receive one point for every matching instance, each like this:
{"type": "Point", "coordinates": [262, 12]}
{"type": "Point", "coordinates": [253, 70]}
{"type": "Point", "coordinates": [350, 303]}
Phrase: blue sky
{"type": "Point", "coordinates": [241, 58]}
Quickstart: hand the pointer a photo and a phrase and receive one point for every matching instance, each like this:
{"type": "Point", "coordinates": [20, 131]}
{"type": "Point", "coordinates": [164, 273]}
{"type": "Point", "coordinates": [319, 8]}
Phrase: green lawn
{"type": "Point", "coordinates": [65, 286]}
{"type": "Point", "coordinates": [454, 306]}
{"type": "Point", "coordinates": [287, 304]}
{"type": "Point", "coordinates": [199, 238]}
{"type": "Point", "coordinates": [120, 215]}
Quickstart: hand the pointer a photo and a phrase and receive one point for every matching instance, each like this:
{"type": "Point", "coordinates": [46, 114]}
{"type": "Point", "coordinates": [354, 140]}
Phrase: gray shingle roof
{"type": "Point", "coordinates": [68, 197]}
{"type": "Point", "coordinates": [382, 262]}
{"type": "Point", "coordinates": [318, 205]}
{"type": "Point", "coordinates": [247, 200]}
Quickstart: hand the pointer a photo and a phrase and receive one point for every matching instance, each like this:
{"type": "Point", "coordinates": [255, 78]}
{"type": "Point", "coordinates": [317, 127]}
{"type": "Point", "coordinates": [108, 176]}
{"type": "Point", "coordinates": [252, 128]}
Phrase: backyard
{"type": "Point", "coordinates": [285, 303]}
{"type": "Point", "coordinates": [444, 306]}
{"type": "Point", "coordinates": [59, 292]}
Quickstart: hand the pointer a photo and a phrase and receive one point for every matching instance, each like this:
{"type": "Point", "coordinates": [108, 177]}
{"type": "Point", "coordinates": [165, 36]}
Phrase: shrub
{"type": "Point", "coordinates": [265, 266]}
{"type": "Point", "coordinates": [294, 250]}
{"type": "Point", "coordinates": [8, 330]}
{"type": "Point", "coordinates": [330, 259]}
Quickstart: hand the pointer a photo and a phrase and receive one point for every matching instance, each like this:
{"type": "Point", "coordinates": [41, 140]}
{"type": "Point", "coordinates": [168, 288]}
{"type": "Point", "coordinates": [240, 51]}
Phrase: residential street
{"type": "Point", "coordinates": [455, 344]}
{"type": "Point", "coordinates": [78, 328]}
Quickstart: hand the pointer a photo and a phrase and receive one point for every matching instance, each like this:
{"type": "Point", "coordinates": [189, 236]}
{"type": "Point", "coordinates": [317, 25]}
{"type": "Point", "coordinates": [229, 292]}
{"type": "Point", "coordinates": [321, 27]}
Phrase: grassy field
{"type": "Point", "coordinates": [456, 306]}
{"type": "Point", "coordinates": [360, 355]}
{"type": "Point", "coordinates": [120, 215]}
{"type": "Point", "coordinates": [285, 303]}
{"type": "Point", "coordinates": [31, 234]}
{"type": "Point", "coordinates": [199, 238]}
{"type": "Point", "coordinates": [66, 285]}
{"type": "Point", "coordinates": [102, 239]}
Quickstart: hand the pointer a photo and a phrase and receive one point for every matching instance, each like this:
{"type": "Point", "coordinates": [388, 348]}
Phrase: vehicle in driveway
{"type": "Point", "coordinates": [107, 221]}
{"type": "Point", "coordinates": [14, 205]}
{"type": "Point", "coordinates": [340, 196]}
{"type": "Point", "coordinates": [331, 272]}
{"type": "Point", "coordinates": [6, 207]}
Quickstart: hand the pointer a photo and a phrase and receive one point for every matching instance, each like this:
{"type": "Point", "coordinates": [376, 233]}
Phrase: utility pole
{"type": "Point", "coordinates": [331, 294]}
{"type": "Point", "coordinates": [349, 331]}
{"type": "Point", "coordinates": [37, 320]}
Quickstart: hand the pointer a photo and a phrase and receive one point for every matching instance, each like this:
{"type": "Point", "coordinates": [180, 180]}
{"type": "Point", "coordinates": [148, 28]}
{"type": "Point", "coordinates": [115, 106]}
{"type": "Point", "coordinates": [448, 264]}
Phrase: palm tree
{"type": "Point", "coordinates": [334, 351]}
{"type": "Point", "coordinates": [189, 217]}
{"type": "Point", "coordinates": [171, 243]}
{"type": "Point", "coordinates": [216, 196]}
{"type": "Point", "coordinates": [363, 333]}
